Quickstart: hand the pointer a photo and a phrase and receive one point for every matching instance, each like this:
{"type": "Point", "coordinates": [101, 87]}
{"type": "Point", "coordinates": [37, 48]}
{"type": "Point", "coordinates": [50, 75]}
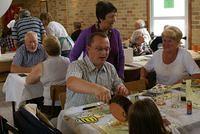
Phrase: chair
{"type": "Point", "coordinates": [5, 127]}
{"type": "Point", "coordinates": [55, 90]}
{"type": "Point", "coordinates": [135, 86]}
{"type": "Point", "coordinates": [29, 123]}
{"type": "Point", "coordinates": [62, 98]}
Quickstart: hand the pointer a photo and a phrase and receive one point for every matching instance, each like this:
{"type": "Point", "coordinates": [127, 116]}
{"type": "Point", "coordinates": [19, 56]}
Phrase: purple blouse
{"type": "Point", "coordinates": [116, 56]}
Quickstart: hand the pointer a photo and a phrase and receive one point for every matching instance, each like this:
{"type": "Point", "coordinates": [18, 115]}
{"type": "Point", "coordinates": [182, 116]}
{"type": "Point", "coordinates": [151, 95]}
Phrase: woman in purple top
{"type": "Point", "coordinates": [106, 15]}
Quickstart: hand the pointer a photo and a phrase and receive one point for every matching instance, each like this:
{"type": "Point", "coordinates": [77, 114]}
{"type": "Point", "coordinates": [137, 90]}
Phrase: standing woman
{"type": "Point", "coordinates": [106, 16]}
{"type": "Point", "coordinates": [173, 63]}
{"type": "Point", "coordinates": [56, 29]}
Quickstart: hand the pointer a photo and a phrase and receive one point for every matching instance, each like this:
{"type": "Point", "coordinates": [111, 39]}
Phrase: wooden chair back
{"type": "Point", "coordinates": [62, 98]}
{"type": "Point", "coordinates": [135, 86]}
{"type": "Point", "coordinates": [55, 91]}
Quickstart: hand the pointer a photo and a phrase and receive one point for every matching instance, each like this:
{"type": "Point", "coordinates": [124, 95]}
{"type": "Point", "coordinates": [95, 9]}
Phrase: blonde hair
{"type": "Point", "coordinates": [173, 32]}
{"type": "Point", "coordinates": [52, 46]}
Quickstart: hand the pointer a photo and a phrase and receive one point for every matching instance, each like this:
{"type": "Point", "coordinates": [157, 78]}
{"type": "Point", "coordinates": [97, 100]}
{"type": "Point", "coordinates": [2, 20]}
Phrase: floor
{"type": "Point", "coordinates": [5, 107]}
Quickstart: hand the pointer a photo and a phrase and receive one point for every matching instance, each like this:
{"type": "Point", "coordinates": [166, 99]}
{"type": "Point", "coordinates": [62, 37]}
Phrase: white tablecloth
{"type": "Point", "coordinates": [7, 56]}
{"type": "Point", "coordinates": [16, 90]}
{"type": "Point", "coordinates": [140, 61]}
{"type": "Point", "coordinates": [180, 121]}
{"type": "Point", "coordinates": [67, 122]}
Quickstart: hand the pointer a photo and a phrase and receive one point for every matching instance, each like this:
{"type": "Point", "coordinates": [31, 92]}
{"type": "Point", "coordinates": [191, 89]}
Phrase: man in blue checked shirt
{"type": "Point", "coordinates": [28, 55]}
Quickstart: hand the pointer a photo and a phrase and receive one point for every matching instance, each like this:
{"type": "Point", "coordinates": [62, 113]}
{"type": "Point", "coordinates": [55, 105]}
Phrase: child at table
{"type": "Point", "coordinates": [144, 117]}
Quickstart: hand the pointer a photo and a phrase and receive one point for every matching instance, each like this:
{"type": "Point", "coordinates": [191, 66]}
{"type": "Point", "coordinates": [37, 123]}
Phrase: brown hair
{"type": "Point", "coordinates": [144, 117]}
{"type": "Point", "coordinates": [100, 34]}
{"type": "Point", "coordinates": [103, 8]}
{"type": "Point", "coordinates": [52, 46]}
{"type": "Point", "coordinates": [46, 16]}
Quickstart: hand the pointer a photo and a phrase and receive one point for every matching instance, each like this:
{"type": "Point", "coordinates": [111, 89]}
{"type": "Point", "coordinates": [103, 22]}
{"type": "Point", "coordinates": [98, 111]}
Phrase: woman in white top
{"type": "Point", "coordinates": [56, 29]}
{"type": "Point", "coordinates": [172, 64]}
{"type": "Point", "coordinates": [51, 71]}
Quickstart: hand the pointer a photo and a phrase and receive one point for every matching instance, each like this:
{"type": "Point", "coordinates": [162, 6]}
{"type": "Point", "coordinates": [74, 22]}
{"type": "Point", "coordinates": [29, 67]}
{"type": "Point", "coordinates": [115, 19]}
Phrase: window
{"type": "Point", "coordinates": [169, 12]}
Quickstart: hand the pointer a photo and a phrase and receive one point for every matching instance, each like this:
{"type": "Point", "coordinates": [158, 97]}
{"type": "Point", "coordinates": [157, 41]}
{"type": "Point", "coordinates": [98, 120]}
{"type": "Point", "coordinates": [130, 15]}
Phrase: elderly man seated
{"type": "Point", "coordinates": [93, 79]}
{"type": "Point", "coordinates": [28, 55]}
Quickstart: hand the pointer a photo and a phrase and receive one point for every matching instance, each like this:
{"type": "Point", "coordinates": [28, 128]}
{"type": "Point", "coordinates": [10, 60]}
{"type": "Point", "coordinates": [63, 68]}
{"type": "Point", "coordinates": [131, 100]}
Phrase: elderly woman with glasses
{"type": "Point", "coordinates": [173, 63]}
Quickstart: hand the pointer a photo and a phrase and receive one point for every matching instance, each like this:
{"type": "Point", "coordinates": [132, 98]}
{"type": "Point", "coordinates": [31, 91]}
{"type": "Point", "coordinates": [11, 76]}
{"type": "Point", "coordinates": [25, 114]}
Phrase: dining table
{"type": "Point", "coordinates": [132, 67]}
{"type": "Point", "coordinates": [95, 118]}
{"type": "Point", "coordinates": [5, 63]}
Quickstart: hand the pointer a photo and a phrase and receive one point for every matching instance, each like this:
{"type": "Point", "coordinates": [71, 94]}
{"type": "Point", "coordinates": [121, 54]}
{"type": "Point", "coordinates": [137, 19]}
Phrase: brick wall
{"type": "Point", "coordinates": [68, 11]}
{"type": "Point", "coordinates": [195, 22]}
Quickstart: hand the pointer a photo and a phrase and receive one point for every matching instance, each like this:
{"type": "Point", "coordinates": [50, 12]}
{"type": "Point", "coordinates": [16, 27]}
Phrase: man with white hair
{"type": "Point", "coordinates": [28, 55]}
{"type": "Point", "coordinates": [140, 25]}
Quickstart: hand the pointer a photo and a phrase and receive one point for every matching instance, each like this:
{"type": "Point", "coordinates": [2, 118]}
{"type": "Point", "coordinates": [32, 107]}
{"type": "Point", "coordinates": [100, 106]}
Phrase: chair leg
{"type": "Point", "coordinates": [53, 104]}
{"type": "Point", "coordinates": [13, 111]}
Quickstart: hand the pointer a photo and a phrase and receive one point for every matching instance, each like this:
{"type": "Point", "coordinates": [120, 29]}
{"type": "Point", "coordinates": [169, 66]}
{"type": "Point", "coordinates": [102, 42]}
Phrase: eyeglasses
{"type": "Point", "coordinates": [98, 49]}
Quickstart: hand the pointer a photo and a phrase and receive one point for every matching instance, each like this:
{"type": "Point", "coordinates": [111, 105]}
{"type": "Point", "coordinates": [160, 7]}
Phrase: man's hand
{"type": "Point", "coordinates": [103, 94]}
{"type": "Point", "coordinates": [122, 90]}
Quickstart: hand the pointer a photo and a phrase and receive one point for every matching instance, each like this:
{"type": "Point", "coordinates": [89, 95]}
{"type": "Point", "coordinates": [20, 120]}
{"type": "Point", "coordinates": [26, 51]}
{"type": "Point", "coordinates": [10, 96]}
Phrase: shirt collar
{"type": "Point", "coordinates": [91, 66]}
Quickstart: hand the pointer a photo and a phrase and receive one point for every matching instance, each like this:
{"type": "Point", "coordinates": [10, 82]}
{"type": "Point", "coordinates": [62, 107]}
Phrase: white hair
{"type": "Point", "coordinates": [138, 33]}
{"type": "Point", "coordinates": [141, 23]}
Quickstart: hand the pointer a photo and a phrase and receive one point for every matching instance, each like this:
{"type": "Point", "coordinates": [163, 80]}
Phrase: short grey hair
{"type": "Point", "coordinates": [141, 23]}
{"type": "Point", "coordinates": [24, 13]}
{"type": "Point", "coordinates": [29, 34]}
{"type": "Point", "coordinates": [138, 33]}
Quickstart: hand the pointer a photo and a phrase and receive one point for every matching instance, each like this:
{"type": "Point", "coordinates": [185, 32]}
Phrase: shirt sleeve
{"type": "Point", "coordinates": [189, 63]}
{"type": "Point", "coordinates": [74, 70]}
{"type": "Point", "coordinates": [116, 80]}
{"type": "Point", "coordinates": [14, 32]}
{"type": "Point", "coordinates": [50, 30]}
{"type": "Point", "coordinates": [18, 58]}
{"type": "Point", "coordinates": [79, 46]}
{"type": "Point", "coordinates": [120, 69]}
{"type": "Point", "coordinates": [149, 66]}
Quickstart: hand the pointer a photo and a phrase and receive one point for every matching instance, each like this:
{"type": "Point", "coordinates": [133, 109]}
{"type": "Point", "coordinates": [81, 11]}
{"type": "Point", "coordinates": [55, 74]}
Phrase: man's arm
{"type": "Point", "coordinates": [82, 86]}
{"type": "Point", "coordinates": [15, 43]}
{"type": "Point", "coordinates": [20, 69]}
{"type": "Point", "coordinates": [44, 36]}
{"type": "Point", "coordinates": [35, 74]}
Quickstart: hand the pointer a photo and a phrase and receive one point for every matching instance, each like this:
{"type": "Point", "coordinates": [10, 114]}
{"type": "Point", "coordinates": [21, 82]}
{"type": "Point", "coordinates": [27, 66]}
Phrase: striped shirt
{"type": "Point", "coordinates": [28, 59]}
{"type": "Point", "coordinates": [85, 69]}
{"type": "Point", "coordinates": [22, 26]}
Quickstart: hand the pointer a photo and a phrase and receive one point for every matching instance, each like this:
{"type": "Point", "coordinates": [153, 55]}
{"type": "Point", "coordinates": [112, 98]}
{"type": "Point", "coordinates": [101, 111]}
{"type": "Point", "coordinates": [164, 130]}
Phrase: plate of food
{"type": "Point", "coordinates": [195, 83]}
{"type": "Point", "coordinates": [159, 89]}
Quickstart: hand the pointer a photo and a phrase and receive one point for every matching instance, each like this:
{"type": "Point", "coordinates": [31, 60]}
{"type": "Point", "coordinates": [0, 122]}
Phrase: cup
{"type": "Point", "coordinates": [175, 100]}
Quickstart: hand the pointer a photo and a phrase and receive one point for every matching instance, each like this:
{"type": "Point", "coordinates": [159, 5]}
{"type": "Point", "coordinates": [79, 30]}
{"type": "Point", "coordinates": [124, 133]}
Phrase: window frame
{"type": "Point", "coordinates": [187, 18]}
